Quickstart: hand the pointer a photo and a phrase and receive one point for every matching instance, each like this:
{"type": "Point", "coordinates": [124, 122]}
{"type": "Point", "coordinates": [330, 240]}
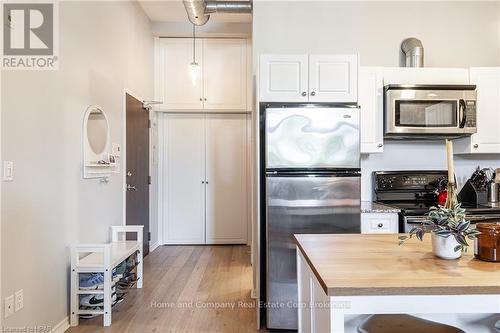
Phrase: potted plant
{"type": "Point", "coordinates": [449, 228]}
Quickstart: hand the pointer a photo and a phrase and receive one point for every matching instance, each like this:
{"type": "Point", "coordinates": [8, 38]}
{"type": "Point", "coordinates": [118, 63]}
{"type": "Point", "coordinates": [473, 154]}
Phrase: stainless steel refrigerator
{"type": "Point", "coordinates": [312, 186]}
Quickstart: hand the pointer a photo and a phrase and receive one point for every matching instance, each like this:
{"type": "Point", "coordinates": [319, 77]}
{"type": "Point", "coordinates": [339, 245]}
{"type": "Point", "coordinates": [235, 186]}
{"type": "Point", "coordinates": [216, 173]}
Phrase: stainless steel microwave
{"type": "Point", "coordinates": [429, 111]}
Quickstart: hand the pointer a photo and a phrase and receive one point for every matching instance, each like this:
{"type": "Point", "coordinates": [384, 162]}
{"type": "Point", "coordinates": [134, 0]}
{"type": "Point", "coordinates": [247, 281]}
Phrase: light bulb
{"type": "Point", "coordinates": [194, 70]}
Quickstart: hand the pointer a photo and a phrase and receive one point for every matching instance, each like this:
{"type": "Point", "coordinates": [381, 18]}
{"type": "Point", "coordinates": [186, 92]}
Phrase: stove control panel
{"type": "Point", "coordinates": [406, 180]}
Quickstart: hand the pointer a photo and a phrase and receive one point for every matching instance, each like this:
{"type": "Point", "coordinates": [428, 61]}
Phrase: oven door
{"type": "Point", "coordinates": [429, 112]}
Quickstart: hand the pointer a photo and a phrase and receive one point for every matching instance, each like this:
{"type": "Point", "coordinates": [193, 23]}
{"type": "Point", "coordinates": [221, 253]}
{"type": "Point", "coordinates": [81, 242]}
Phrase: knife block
{"type": "Point", "coordinates": [471, 195]}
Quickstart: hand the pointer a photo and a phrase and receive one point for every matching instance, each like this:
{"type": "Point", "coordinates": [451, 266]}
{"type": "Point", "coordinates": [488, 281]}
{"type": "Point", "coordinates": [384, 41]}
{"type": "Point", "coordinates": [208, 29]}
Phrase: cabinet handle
{"type": "Point", "coordinates": [313, 93]}
{"type": "Point", "coordinates": [203, 182]}
{"type": "Point", "coordinates": [380, 225]}
{"type": "Point", "coordinates": [476, 145]}
{"type": "Point", "coordinates": [205, 99]}
{"type": "Point", "coordinates": [201, 99]}
{"type": "Point", "coordinates": [304, 93]}
{"type": "Point", "coordinates": [380, 145]}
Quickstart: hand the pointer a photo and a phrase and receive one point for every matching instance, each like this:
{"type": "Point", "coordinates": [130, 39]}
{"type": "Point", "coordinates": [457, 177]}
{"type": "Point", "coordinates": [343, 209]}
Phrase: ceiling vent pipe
{"type": "Point", "coordinates": [199, 11]}
{"type": "Point", "coordinates": [413, 51]}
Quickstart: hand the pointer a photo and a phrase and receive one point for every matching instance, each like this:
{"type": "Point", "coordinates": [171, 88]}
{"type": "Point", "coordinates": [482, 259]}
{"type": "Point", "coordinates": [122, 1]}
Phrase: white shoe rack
{"type": "Point", "coordinates": [103, 258]}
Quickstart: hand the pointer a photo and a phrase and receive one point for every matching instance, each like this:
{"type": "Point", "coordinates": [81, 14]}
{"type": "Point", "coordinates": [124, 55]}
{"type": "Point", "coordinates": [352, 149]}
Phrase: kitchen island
{"type": "Point", "coordinates": [345, 275]}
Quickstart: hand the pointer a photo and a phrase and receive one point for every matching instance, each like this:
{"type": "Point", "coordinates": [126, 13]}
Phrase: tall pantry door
{"type": "Point", "coordinates": [183, 178]}
{"type": "Point", "coordinates": [226, 169]}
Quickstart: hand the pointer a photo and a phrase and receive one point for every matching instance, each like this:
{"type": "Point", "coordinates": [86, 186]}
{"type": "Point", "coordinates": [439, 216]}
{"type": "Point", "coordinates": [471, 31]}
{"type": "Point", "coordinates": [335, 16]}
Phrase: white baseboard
{"type": "Point", "coordinates": [61, 327]}
{"type": "Point", "coordinates": [153, 246]}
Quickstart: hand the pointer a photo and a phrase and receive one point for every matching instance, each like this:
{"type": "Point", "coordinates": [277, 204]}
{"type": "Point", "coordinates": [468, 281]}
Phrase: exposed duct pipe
{"type": "Point", "coordinates": [199, 11]}
{"type": "Point", "coordinates": [414, 52]}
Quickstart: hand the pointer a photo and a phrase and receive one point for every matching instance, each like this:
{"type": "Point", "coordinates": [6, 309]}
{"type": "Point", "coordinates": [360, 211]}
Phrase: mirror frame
{"type": "Point", "coordinates": [92, 169]}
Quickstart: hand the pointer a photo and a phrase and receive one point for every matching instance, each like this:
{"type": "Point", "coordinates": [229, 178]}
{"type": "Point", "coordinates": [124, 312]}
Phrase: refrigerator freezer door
{"type": "Point", "coordinates": [312, 137]}
{"type": "Point", "coordinates": [302, 205]}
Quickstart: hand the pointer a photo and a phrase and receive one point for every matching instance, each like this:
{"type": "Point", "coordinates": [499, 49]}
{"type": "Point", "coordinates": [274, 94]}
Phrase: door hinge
{"type": "Point", "coordinates": [149, 180]}
{"type": "Point", "coordinates": [149, 236]}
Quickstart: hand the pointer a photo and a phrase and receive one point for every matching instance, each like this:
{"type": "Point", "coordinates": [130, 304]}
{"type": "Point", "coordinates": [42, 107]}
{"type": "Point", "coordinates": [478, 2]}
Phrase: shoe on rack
{"type": "Point", "coordinates": [91, 281]}
{"type": "Point", "coordinates": [93, 300]}
{"type": "Point", "coordinates": [93, 315]}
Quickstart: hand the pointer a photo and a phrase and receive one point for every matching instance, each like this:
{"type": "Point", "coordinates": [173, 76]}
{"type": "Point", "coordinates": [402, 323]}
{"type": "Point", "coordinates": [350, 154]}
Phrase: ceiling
{"type": "Point", "coordinates": [173, 11]}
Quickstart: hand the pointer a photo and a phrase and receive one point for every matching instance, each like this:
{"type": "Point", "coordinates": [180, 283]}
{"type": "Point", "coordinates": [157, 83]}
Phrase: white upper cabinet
{"type": "Point", "coordinates": [308, 78]}
{"type": "Point", "coordinates": [371, 102]}
{"type": "Point", "coordinates": [283, 78]}
{"type": "Point", "coordinates": [219, 82]}
{"type": "Point", "coordinates": [224, 74]}
{"type": "Point", "coordinates": [333, 78]}
{"type": "Point", "coordinates": [179, 87]}
{"type": "Point", "coordinates": [487, 138]}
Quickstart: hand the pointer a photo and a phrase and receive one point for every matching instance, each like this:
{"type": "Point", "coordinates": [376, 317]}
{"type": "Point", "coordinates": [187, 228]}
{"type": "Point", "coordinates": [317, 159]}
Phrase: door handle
{"type": "Point", "coordinates": [462, 113]}
{"type": "Point", "coordinates": [131, 188]}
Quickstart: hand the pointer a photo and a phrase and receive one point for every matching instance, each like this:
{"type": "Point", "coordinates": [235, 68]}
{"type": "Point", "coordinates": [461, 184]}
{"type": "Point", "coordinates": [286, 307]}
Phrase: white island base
{"type": "Point", "coordinates": [319, 312]}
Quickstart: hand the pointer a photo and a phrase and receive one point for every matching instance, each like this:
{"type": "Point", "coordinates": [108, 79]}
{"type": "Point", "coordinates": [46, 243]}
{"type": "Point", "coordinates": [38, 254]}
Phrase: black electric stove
{"type": "Point", "coordinates": [414, 192]}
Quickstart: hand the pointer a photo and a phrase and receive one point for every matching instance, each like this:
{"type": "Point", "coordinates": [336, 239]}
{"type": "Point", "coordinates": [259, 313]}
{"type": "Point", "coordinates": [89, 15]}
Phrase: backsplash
{"type": "Point", "coordinates": [419, 156]}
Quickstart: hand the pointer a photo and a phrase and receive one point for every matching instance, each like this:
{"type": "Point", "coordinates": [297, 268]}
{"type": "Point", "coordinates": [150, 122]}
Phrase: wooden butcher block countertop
{"type": "Point", "coordinates": [364, 265]}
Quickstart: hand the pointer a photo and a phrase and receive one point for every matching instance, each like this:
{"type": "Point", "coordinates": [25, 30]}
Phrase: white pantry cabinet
{"type": "Point", "coordinates": [379, 223]}
{"type": "Point", "coordinates": [226, 188]}
{"type": "Point", "coordinates": [203, 180]}
{"type": "Point", "coordinates": [308, 78]}
{"type": "Point", "coordinates": [487, 138]}
{"type": "Point", "coordinates": [178, 89]}
{"type": "Point", "coordinates": [371, 102]}
{"type": "Point", "coordinates": [224, 74]}
{"type": "Point", "coordinates": [220, 82]}
{"type": "Point", "coordinates": [182, 147]}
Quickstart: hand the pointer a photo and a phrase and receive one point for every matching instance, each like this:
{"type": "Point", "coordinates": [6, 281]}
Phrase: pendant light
{"type": "Point", "coordinates": [193, 66]}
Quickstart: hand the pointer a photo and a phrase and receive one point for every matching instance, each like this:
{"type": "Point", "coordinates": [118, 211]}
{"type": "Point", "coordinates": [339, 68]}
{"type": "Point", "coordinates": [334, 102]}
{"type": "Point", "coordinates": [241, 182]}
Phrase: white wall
{"type": "Point", "coordinates": [105, 47]}
{"type": "Point", "coordinates": [454, 34]}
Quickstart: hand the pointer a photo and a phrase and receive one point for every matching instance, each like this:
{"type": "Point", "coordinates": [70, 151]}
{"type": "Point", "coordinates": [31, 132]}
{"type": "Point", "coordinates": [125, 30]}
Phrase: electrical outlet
{"type": "Point", "coordinates": [9, 306]}
{"type": "Point", "coordinates": [18, 300]}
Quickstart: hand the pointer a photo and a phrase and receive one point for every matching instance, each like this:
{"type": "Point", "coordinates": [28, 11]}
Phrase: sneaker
{"type": "Point", "coordinates": [121, 269]}
{"type": "Point", "coordinates": [93, 315]}
{"type": "Point", "coordinates": [91, 281]}
{"type": "Point", "coordinates": [94, 300]}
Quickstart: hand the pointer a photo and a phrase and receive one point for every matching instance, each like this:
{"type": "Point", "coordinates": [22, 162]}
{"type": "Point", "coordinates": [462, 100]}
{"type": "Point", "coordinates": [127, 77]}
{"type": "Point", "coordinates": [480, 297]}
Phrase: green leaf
{"type": "Point", "coordinates": [420, 235]}
{"type": "Point", "coordinates": [403, 237]}
{"type": "Point", "coordinates": [461, 240]}
{"type": "Point", "coordinates": [443, 233]}
{"type": "Point", "coordinates": [458, 247]}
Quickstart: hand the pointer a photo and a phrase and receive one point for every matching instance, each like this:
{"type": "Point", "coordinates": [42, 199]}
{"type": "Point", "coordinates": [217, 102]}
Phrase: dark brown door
{"type": "Point", "coordinates": [137, 167]}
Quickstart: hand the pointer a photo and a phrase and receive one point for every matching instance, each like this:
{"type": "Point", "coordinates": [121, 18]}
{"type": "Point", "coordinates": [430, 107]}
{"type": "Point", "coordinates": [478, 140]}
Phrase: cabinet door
{"type": "Point", "coordinates": [333, 78]}
{"type": "Point", "coordinates": [182, 178]}
{"type": "Point", "coordinates": [180, 84]}
{"type": "Point", "coordinates": [224, 74]}
{"type": "Point", "coordinates": [283, 78]}
{"type": "Point", "coordinates": [371, 101]}
{"type": "Point", "coordinates": [226, 156]}
{"type": "Point", "coordinates": [487, 138]}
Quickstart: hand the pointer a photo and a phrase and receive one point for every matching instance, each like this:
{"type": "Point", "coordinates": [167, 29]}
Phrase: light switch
{"type": "Point", "coordinates": [116, 149]}
{"type": "Point", "coordinates": [8, 171]}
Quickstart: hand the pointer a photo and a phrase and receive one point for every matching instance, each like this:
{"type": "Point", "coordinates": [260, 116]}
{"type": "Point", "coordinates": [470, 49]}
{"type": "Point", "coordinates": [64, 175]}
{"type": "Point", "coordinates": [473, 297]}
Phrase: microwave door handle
{"type": "Point", "coordinates": [462, 113]}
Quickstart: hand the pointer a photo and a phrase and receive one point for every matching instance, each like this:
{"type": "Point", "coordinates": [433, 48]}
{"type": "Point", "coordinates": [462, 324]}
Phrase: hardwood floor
{"type": "Point", "coordinates": [182, 287]}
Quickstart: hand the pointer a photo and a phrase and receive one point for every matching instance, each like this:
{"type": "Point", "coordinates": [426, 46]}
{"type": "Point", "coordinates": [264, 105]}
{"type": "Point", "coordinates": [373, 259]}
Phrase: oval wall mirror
{"type": "Point", "coordinates": [97, 130]}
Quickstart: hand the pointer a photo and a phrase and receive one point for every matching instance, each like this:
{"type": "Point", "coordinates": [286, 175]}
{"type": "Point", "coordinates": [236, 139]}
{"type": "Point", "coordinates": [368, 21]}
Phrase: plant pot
{"type": "Point", "coordinates": [445, 247]}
